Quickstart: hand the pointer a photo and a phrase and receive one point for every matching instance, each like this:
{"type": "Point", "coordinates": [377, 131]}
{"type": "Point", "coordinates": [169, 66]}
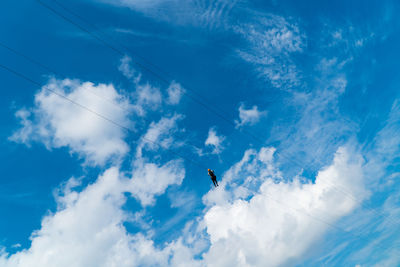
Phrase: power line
{"type": "Point", "coordinates": [26, 57]}
{"type": "Point", "coordinates": [35, 62]}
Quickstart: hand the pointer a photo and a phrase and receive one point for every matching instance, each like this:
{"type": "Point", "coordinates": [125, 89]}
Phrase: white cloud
{"type": "Point", "coordinates": [149, 179]}
{"type": "Point", "coordinates": [126, 69]}
{"type": "Point", "coordinates": [87, 228]}
{"type": "Point", "coordinates": [57, 122]}
{"type": "Point", "coordinates": [215, 141]}
{"type": "Point", "coordinates": [278, 223]}
{"type": "Point", "coordinates": [175, 92]}
{"type": "Point", "coordinates": [147, 97]}
{"type": "Point", "coordinates": [248, 116]}
{"type": "Point", "coordinates": [24, 134]}
{"type": "Point", "coordinates": [159, 134]}
{"type": "Point", "coordinates": [375, 223]}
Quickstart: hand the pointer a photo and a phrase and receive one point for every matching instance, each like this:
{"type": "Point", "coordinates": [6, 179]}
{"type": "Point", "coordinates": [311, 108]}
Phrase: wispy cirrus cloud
{"type": "Point", "coordinates": [317, 127]}
{"type": "Point", "coordinates": [269, 42]}
{"type": "Point", "coordinates": [204, 13]}
{"type": "Point", "coordinates": [96, 213]}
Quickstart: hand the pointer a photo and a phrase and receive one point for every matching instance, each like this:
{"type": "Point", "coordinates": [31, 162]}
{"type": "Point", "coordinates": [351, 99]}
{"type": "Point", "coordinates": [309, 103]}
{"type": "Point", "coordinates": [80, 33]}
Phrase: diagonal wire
{"type": "Point", "coordinates": [27, 58]}
{"type": "Point", "coordinates": [43, 66]}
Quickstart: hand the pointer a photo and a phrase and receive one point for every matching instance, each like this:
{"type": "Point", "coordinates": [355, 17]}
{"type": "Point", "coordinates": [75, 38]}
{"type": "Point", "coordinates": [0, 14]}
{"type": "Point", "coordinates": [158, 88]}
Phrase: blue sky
{"type": "Point", "coordinates": [296, 107]}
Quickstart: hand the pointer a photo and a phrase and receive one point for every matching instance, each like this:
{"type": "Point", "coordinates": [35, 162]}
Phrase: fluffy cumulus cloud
{"type": "Point", "coordinates": [282, 219]}
{"type": "Point", "coordinates": [58, 122]}
{"type": "Point", "coordinates": [270, 40]}
{"type": "Point", "coordinates": [215, 141]}
{"type": "Point", "coordinates": [87, 230]}
{"type": "Point", "coordinates": [249, 116]}
{"type": "Point", "coordinates": [150, 179]}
